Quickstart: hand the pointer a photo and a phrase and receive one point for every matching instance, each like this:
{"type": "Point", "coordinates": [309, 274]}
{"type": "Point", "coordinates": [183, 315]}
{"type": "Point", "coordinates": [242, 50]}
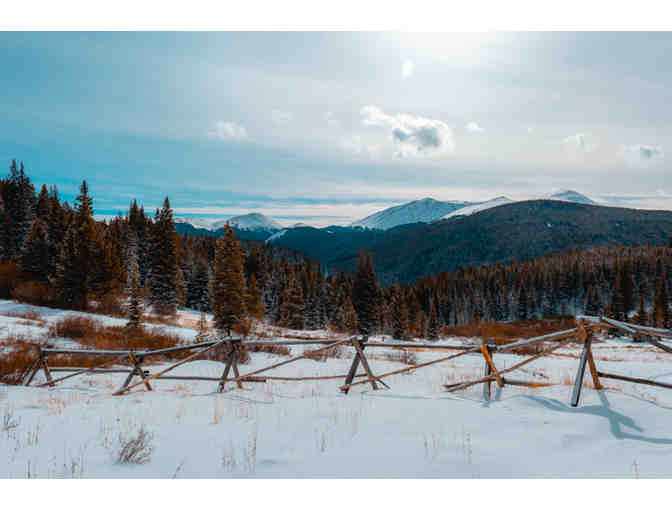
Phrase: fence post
{"type": "Point", "coordinates": [578, 383]}
{"type": "Point", "coordinates": [487, 385]}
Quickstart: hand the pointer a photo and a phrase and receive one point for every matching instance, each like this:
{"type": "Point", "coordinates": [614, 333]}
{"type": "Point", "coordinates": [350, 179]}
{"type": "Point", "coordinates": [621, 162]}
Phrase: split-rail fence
{"type": "Point", "coordinates": [583, 333]}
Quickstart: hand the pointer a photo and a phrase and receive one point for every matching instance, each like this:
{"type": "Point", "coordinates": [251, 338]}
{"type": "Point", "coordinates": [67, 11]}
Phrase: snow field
{"type": "Point", "coordinates": [309, 429]}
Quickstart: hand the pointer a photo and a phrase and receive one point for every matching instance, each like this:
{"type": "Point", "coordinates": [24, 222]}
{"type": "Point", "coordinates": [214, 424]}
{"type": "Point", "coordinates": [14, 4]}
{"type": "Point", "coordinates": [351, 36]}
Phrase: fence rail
{"type": "Point", "coordinates": [583, 333]}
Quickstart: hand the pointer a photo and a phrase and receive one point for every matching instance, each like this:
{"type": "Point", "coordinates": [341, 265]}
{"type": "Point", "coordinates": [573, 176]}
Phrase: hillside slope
{"type": "Point", "coordinates": [520, 231]}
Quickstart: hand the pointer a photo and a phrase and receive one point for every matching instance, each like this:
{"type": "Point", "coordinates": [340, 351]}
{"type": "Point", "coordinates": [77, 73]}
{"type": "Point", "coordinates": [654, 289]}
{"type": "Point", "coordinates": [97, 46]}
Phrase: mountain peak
{"type": "Point", "coordinates": [424, 210]}
{"type": "Point", "coordinates": [569, 195]}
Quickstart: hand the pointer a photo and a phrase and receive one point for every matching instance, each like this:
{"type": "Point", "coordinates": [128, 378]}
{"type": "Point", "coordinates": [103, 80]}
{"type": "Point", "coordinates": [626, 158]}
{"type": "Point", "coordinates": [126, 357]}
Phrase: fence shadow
{"type": "Point", "coordinates": [617, 421]}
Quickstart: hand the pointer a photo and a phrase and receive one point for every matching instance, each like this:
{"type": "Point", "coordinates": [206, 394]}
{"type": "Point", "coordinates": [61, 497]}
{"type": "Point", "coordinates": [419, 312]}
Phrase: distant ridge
{"type": "Point", "coordinates": [417, 211]}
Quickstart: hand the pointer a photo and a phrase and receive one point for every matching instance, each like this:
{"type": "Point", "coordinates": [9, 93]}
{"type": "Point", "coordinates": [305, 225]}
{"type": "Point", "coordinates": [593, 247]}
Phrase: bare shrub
{"type": "Point", "coordinates": [107, 304]}
{"type": "Point", "coordinates": [8, 421]}
{"type": "Point", "coordinates": [34, 293]}
{"type": "Point", "coordinates": [280, 350]}
{"type": "Point", "coordinates": [10, 274]}
{"type": "Point", "coordinates": [75, 326]}
{"type": "Point", "coordinates": [92, 333]}
{"type": "Point", "coordinates": [221, 354]}
{"type": "Point", "coordinates": [401, 356]}
{"type": "Point", "coordinates": [17, 359]}
{"type": "Point", "coordinates": [136, 449]}
{"type": "Point", "coordinates": [322, 356]}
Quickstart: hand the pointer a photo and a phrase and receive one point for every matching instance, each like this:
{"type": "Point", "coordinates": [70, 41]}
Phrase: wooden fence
{"type": "Point", "coordinates": [583, 333]}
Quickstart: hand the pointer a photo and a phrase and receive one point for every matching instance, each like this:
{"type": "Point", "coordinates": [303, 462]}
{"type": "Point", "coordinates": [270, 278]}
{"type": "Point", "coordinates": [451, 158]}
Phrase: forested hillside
{"type": "Point", "coordinates": [55, 254]}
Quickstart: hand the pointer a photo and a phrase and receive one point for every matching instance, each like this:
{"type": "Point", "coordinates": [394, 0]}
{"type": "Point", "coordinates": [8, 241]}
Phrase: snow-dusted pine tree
{"type": "Point", "coordinates": [228, 283]}
{"type": "Point", "coordinates": [162, 273]}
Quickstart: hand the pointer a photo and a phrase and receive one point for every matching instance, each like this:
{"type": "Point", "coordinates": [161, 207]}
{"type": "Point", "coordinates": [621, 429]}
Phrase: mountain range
{"type": "Point", "coordinates": [441, 236]}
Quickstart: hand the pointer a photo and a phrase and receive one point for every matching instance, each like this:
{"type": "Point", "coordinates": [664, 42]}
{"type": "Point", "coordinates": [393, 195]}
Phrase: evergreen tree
{"type": "Point", "coordinates": [229, 283]}
{"type": "Point", "coordinates": [202, 333]}
{"type": "Point", "coordinates": [292, 307]}
{"type": "Point", "coordinates": [593, 304]}
{"type": "Point", "coordinates": [134, 311]}
{"type": "Point", "coordinates": [617, 303]}
{"type": "Point", "coordinates": [400, 316]}
{"type": "Point", "coordinates": [365, 295]}
{"type": "Point", "coordinates": [662, 318]}
{"type": "Point", "coordinates": [162, 273]}
{"type": "Point", "coordinates": [433, 322]}
{"type": "Point", "coordinates": [35, 254]}
{"type": "Point", "coordinates": [254, 307]}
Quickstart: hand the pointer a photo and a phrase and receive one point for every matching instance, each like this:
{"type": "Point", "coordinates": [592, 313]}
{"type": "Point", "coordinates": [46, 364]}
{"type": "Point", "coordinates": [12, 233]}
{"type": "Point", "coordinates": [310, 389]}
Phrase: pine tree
{"type": "Point", "coordinates": [254, 307]}
{"type": "Point", "coordinates": [433, 322]}
{"type": "Point", "coordinates": [617, 303]}
{"type": "Point", "coordinates": [202, 333]}
{"type": "Point", "coordinates": [35, 253]}
{"type": "Point", "coordinates": [229, 283]}
{"type": "Point", "coordinates": [198, 296]}
{"type": "Point", "coordinates": [134, 312]}
{"type": "Point", "coordinates": [662, 318]}
{"type": "Point", "coordinates": [400, 316]}
{"type": "Point", "coordinates": [162, 273]}
{"type": "Point", "coordinates": [522, 303]}
{"type": "Point", "coordinates": [292, 307]}
{"type": "Point", "coordinates": [641, 317]}
{"type": "Point", "coordinates": [365, 295]}
{"type": "Point", "coordinates": [593, 304]}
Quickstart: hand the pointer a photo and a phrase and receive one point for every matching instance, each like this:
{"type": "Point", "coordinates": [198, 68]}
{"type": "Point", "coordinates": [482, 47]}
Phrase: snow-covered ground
{"type": "Point", "coordinates": [310, 429]}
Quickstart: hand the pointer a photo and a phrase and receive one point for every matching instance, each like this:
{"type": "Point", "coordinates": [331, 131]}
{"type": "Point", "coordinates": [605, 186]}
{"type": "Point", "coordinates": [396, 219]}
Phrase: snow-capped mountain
{"type": "Point", "coordinates": [418, 211]}
{"type": "Point", "coordinates": [570, 195]}
{"type": "Point", "coordinates": [194, 222]}
{"type": "Point", "coordinates": [469, 210]}
{"type": "Point", "coordinates": [251, 221]}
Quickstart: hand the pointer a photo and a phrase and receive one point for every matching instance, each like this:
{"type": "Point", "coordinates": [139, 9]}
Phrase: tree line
{"type": "Point", "coordinates": [55, 254]}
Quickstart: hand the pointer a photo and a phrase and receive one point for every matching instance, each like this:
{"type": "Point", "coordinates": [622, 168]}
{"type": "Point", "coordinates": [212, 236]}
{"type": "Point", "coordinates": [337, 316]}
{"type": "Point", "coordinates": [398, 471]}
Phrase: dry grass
{"type": "Point", "coordinates": [136, 449]}
{"type": "Point", "coordinates": [92, 333]}
{"type": "Point", "coordinates": [280, 350]}
{"type": "Point", "coordinates": [503, 333]}
{"type": "Point", "coordinates": [400, 356]}
{"type": "Point", "coordinates": [334, 352]}
{"type": "Point", "coordinates": [18, 357]}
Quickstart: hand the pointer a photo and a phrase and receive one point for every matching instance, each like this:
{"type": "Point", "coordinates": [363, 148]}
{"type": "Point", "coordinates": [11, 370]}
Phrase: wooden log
{"type": "Point", "coordinates": [166, 370]}
{"type": "Point", "coordinates": [584, 333]}
{"type": "Point", "coordinates": [291, 360]}
{"type": "Point", "coordinates": [33, 371]}
{"type": "Point", "coordinates": [137, 364]}
{"type": "Point", "coordinates": [351, 374]}
{"type": "Point", "coordinates": [529, 384]}
{"type": "Point", "coordinates": [636, 328]}
{"type": "Point", "coordinates": [85, 370]}
{"type": "Point", "coordinates": [578, 382]}
{"type": "Point", "coordinates": [634, 380]}
{"type": "Point", "coordinates": [47, 373]}
{"type": "Point", "coordinates": [415, 367]}
{"type": "Point", "coordinates": [487, 384]}
{"type": "Point", "coordinates": [234, 366]}
{"type": "Point", "coordinates": [199, 378]}
{"type": "Point", "coordinates": [89, 352]}
{"type": "Point", "coordinates": [558, 335]}
{"type": "Point", "coordinates": [227, 367]}
{"type": "Point", "coordinates": [310, 378]}
{"type": "Point", "coordinates": [365, 363]}
{"type": "Point", "coordinates": [462, 386]}
{"type": "Point", "coordinates": [93, 371]}
{"type": "Point", "coordinates": [488, 360]}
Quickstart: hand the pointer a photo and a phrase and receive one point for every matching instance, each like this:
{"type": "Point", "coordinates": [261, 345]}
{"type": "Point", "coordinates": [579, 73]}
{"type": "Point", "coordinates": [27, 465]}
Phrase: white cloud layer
{"type": "Point", "coordinates": [473, 127]}
{"type": "Point", "coordinates": [407, 68]}
{"type": "Point", "coordinates": [410, 134]}
{"type": "Point", "coordinates": [228, 130]}
{"type": "Point", "coordinates": [641, 154]}
{"type": "Point", "coordinates": [281, 118]}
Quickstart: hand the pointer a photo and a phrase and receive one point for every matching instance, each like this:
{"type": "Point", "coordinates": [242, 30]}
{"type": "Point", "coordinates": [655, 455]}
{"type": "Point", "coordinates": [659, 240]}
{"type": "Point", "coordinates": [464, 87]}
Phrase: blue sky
{"type": "Point", "coordinates": [329, 127]}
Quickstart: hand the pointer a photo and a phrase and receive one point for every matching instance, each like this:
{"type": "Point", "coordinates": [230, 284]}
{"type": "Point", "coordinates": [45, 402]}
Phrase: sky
{"type": "Point", "coordinates": [326, 128]}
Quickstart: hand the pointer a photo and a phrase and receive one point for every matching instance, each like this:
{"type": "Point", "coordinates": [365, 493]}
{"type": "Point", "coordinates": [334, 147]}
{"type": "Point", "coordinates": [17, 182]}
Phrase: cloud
{"type": "Point", "coordinates": [473, 127]}
{"type": "Point", "coordinates": [331, 120]}
{"type": "Point", "coordinates": [281, 118]}
{"type": "Point", "coordinates": [640, 154]}
{"type": "Point", "coordinates": [578, 142]}
{"type": "Point", "coordinates": [228, 130]}
{"type": "Point", "coordinates": [407, 69]}
{"type": "Point", "coordinates": [412, 135]}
